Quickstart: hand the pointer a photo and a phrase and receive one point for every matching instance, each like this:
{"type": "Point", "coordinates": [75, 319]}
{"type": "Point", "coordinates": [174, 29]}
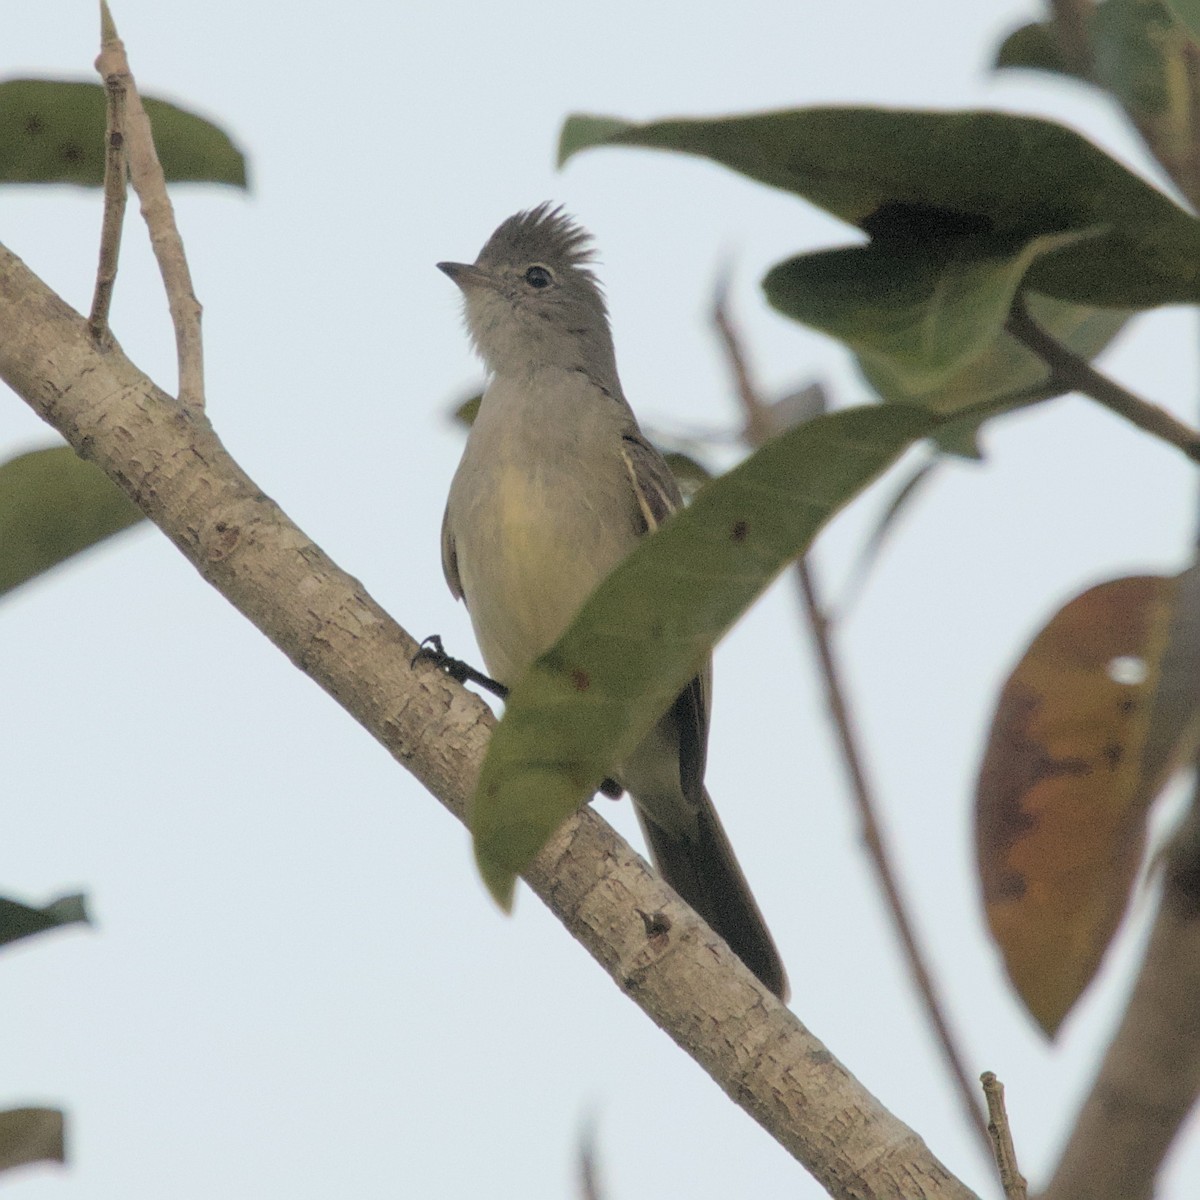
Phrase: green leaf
{"type": "Point", "coordinates": [467, 410]}
{"type": "Point", "coordinates": [1145, 58]}
{"type": "Point", "coordinates": [52, 131]}
{"type": "Point", "coordinates": [1034, 47]}
{"type": "Point", "coordinates": [31, 1135]}
{"type": "Point", "coordinates": [924, 310]}
{"type": "Point", "coordinates": [1006, 373]}
{"type": "Point", "coordinates": [1138, 50]}
{"type": "Point", "coordinates": [956, 176]}
{"type": "Point", "coordinates": [53, 505]}
{"type": "Point", "coordinates": [646, 630]}
{"type": "Point", "coordinates": [21, 921]}
{"type": "Point", "coordinates": [1187, 13]}
{"type": "Point", "coordinates": [1141, 53]}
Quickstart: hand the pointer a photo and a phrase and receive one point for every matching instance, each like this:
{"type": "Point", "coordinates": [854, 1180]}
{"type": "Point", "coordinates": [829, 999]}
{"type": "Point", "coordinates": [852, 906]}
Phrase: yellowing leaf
{"type": "Point", "coordinates": [1060, 812]}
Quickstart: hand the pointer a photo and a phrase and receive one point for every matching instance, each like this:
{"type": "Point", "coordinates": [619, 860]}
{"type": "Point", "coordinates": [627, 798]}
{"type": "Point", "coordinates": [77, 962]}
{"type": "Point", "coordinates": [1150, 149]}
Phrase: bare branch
{"type": "Point", "coordinates": [675, 968]}
{"type": "Point", "coordinates": [1150, 1077]}
{"type": "Point", "coordinates": [758, 430]}
{"type": "Point", "coordinates": [1005, 1154]}
{"type": "Point", "coordinates": [114, 210]}
{"type": "Point", "coordinates": [1072, 373]}
{"type": "Point", "coordinates": [148, 180]}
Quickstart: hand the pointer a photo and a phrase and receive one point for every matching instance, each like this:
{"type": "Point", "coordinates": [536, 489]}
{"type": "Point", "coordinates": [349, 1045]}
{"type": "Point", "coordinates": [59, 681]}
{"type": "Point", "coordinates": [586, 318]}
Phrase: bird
{"type": "Point", "coordinates": [556, 485]}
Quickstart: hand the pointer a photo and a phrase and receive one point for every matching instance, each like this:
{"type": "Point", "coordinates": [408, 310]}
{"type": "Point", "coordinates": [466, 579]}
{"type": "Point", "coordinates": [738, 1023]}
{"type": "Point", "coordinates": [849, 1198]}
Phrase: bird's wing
{"type": "Point", "coordinates": [450, 558]}
{"type": "Point", "coordinates": [658, 496]}
{"type": "Point", "coordinates": [654, 486]}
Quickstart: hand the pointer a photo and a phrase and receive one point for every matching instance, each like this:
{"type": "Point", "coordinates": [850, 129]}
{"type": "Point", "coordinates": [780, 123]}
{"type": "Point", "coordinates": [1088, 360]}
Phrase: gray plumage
{"type": "Point", "coordinates": [556, 485]}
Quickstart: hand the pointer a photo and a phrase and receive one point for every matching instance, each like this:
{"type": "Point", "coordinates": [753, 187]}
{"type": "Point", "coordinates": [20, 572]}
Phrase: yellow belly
{"type": "Point", "coordinates": [531, 554]}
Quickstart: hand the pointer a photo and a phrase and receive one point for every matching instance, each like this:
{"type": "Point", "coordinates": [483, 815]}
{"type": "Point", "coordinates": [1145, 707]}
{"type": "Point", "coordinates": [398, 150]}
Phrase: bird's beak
{"type": "Point", "coordinates": [467, 275]}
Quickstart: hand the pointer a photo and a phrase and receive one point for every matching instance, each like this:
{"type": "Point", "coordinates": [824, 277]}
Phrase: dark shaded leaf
{"type": "Point", "coordinates": [643, 634]}
{"type": "Point", "coordinates": [21, 921]}
{"type": "Point", "coordinates": [52, 506]}
{"type": "Point", "coordinates": [53, 131]}
{"type": "Point", "coordinates": [960, 438]}
{"type": "Point", "coordinates": [1034, 47]}
{"type": "Point", "coordinates": [1006, 374]}
{"type": "Point", "coordinates": [1140, 54]}
{"type": "Point", "coordinates": [1025, 178]}
{"type": "Point", "coordinates": [923, 313]}
{"type": "Point", "coordinates": [31, 1135]}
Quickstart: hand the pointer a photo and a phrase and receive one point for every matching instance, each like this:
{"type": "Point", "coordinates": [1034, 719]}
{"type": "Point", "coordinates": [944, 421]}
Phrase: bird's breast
{"type": "Point", "coordinates": [539, 516]}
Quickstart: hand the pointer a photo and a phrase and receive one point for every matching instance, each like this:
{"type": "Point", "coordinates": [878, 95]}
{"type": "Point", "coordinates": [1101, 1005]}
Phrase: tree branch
{"type": "Point", "coordinates": [146, 174]}
{"type": "Point", "coordinates": [114, 210]}
{"type": "Point", "coordinates": [758, 430]}
{"type": "Point", "coordinates": [167, 458]}
{"type": "Point", "coordinates": [1069, 372]}
{"type": "Point", "coordinates": [1011, 1179]}
{"type": "Point", "coordinates": [1150, 1077]}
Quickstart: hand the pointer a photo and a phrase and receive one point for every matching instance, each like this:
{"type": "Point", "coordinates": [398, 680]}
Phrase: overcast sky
{"type": "Point", "coordinates": [297, 985]}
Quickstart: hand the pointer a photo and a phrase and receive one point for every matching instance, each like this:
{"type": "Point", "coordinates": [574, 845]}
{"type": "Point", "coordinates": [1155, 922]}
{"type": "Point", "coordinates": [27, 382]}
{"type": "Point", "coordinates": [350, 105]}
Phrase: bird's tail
{"type": "Point", "coordinates": [705, 873]}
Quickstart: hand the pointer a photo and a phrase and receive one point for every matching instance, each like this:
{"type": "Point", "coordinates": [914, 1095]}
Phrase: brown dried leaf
{"type": "Point", "coordinates": [1060, 810]}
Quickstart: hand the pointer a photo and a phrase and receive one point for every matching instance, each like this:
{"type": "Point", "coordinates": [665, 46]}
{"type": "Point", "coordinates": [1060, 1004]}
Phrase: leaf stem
{"type": "Point", "coordinates": [1070, 372]}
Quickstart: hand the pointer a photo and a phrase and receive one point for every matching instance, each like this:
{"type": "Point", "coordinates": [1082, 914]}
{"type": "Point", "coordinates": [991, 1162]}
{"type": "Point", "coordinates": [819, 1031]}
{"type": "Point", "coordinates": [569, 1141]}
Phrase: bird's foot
{"type": "Point", "coordinates": [431, 650]}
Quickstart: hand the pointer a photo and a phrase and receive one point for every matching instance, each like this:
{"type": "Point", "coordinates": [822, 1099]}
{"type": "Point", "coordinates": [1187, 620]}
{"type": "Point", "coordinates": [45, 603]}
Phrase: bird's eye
{"type": "Point", "coordinates": [538, 277]}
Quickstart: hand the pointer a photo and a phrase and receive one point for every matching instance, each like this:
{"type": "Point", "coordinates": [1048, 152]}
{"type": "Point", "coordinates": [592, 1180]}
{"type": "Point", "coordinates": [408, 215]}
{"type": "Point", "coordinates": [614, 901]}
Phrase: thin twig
{"type": "Point", "coordinates": [877, 849]}
{"type": "Point", "coordinates": [758, 430]}
{"type": "Point", "coordinates": [1003, 1150]}
{"type": "Point", "coordinates": [146, 174]}
{"type": "Point", "coordinates": [114, 211]}
{"type": "Point", "coordinates": [1069, 372]}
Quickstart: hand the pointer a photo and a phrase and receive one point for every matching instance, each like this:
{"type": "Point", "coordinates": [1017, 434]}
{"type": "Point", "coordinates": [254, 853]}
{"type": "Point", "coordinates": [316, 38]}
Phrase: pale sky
{"type": "Point", "coordinates": [297, 985]}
